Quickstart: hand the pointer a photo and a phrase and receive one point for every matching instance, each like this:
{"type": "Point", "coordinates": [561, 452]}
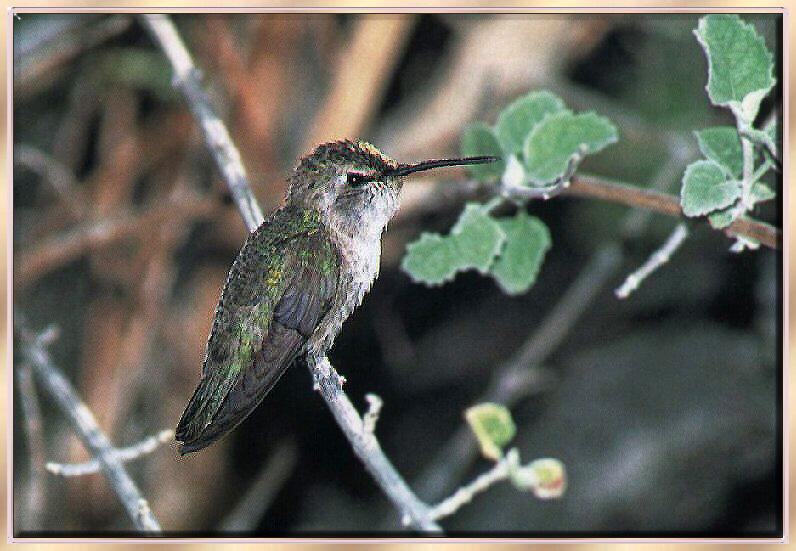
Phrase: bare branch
{"type": "Point", "coordinates": [56, 250]}
{"type": "Point", "coordinates": [145, 446]}
{"type": "Point", "coordinates": [500, 471]}
{"type": "Point", "coordinates": [365, 445]}
{"type": "Point", "coordinates": [186, 78]}
{"type": "Point", "coordinates": [655, 261]}
{"type": "Point", "coordinates": [84, 424]}
{"type": "Point", "coordinates": [453, 459]}
{"type": "Point", "coordinates": [36, 490]}
{"type": "Point", "coordinates": [663, 203]}
{"type": "Point", "coordinates": [251, 508]}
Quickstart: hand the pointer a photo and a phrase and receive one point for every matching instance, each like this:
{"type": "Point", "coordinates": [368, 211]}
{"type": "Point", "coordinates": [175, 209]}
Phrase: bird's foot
{"type": "Point", "coordinates": [325, 377]}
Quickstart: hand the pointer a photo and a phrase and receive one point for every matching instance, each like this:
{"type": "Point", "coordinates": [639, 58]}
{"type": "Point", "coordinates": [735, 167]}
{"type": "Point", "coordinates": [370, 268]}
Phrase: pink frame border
{"type": "Point", "coordinates": [396, 9]}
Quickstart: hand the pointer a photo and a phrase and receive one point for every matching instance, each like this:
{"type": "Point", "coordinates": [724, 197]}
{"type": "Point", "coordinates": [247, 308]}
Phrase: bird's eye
{"type": "Point", "coordinates": [356, 179]}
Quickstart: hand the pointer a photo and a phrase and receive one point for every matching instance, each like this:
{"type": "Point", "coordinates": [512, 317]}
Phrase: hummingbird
{"type": "Point", "coordinates": [296, 279]}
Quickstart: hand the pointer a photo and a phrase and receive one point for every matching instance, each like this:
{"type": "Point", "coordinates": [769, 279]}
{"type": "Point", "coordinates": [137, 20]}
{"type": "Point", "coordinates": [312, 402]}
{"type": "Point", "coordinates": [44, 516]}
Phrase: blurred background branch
{"type": "Point", "coordinates": [84, 424]}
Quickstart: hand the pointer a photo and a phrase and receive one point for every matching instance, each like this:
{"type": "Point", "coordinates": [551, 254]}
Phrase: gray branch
{"type": "Point", "coordinates": [262, 490]}
{"type": "Point", "coordinates": [144, 447]}
{"type": "Point", "coordinates": [655, 261]}
{"type": "Point", "coordinates": [36, 497]}
{"type": "Point", "coordinates": [510, 380]}
{"type": "Point", "coordinates": [87, 429]}
{"type": "Point", "coordinates": [365, 445]}
{"type": "Point", "coordinates": [186, 78]}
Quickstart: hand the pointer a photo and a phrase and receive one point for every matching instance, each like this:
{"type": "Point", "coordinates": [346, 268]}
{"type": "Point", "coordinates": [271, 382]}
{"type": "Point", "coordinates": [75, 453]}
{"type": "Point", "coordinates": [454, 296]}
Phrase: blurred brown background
{"type": "Point", "coordinates": [134, 310]}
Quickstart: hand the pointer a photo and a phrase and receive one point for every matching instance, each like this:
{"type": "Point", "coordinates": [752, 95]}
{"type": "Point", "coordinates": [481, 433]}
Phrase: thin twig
{"type": "Point", "coordinates": [368, 449]}
{"type": "Point", "coordinates": [145, 446]}
{"type": "Point", "coordinates": [453, 459]}
{"type": "Point", "coordinates": [60, 178]}
{"type": "Point", "coordinates": [186, 78]}
{"type": "Point", "coordinates": [262, 491]}
{"type": "Point", "coordinates": [365, 445]}
{"type": "Point", "coordinates": [500, 471]}
{"type": "Point", "coordinates": [655, 261]}
{"type": "Point", "coordinates": [459, 451]}
{"type": "Point", "coordinates": [58, 249]}
{"type": "Point", "coordinates": [664, 203]}
{"type": "Point", "coordinates": [84, 424]}
{"type": "Point", "coordinates": [371, 416]}
{"type": "Point", "coordinates": [31, 411]}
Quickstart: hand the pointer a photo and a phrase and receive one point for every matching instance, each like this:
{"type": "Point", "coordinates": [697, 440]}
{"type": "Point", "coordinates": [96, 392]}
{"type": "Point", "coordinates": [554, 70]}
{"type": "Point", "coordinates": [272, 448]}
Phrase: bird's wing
{"type": "Point", "coordinates": [273, 300]}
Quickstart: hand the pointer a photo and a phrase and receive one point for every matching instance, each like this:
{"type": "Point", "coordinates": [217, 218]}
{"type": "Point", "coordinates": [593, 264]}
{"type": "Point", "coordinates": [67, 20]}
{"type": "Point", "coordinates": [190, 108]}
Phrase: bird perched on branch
{"type": "Point", "coordinates": [296, 280]}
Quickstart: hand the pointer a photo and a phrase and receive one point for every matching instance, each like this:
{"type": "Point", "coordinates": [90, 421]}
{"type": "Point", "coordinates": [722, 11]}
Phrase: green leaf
{"type": "Point", "coordinates": [722, 144]}
{"type": "Point", "coordinates": [552, 143]}
{"type": "Point", "coordinates": [493, 427]}
{"type": "Point", "coordinates": [478, 237]}
{"type": "Point", "coordinates": [706, 188]}
{"type": "Point", "coordinates": [761, 192]}
{"type": "Point", "coordinates": [722, 218]}
{"type": "Point", "coordinates": [527, 241]}
{"type": "Point", "coordinates": [740, 67]}
{"type": "Point", "coordinates": [517, 120]}
{"type": "Point", "coordinates": [432, 259]}
{"type": "Point", "coordinates": [473, 243]}
{"type": "Point", "coordinates": [478, 139]}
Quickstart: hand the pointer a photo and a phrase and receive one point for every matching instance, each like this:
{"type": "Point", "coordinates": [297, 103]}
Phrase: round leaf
{"type": "Point", "coordinates": [706, 189]}
{"type": "Point", "coordinates": [478, 139]}
{"type": "Point", "coordinates": [492, 426]}
{"type": "Point", "coordinates": [517, 120]}
{"type": "Point", "coordinates": [432, 259]}
{"type": "Point", "coordinates": [552, 143]}
{"type": "Point", "coordinates": [740, 67]}
{"type": "Point", "coordinates": [722, 144]}
{"type": "Point", "coordinates": [527, 241]}
{"type": "Point", "coordinates": [478, 238]}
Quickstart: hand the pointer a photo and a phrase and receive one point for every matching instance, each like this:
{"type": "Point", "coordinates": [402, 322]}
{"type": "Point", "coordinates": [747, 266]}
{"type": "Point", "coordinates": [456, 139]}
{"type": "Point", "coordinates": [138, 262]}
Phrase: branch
{"type": "Point", "coordinates": [145, 446]}
{"type": "Point", "coordinates": [365, 445]}
{"type": "Point", "coordinates": [509, 381]}
{"type": "Point", "coordinates": [186, 78]}
{"type": "Point", "coordinates": [506, 385]}
{"type": "Point", "coordinates": [262, 490]}
{"type": "Point", "coordinates": [84, 424]}
{"type": "Point", "coordinates": [655, 261]}
{"type": "Point", "coordinates": [500, 471]}
{"type": "Point", "coordinates": [663, 203]}
{"type": "Point", "coordinates": [58, 249]}
{"type": "Point", "coordinates": [31, 412]}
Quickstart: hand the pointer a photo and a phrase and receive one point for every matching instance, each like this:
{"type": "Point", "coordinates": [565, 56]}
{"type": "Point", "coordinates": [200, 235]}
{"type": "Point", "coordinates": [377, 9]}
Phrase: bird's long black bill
{"type": "Point", "coordinates": [403, 170]}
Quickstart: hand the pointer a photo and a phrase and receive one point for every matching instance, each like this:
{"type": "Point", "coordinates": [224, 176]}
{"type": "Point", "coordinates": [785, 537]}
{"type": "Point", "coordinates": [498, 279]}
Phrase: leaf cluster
{"type": "Point", "coordinates": [537, 138]}
{"type": "Point", "coordinates": [726, 183]}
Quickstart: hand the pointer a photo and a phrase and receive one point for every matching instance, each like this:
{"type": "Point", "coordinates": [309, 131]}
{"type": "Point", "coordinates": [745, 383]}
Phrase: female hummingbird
{"type": "Point", "coordinates": [296, 280]}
